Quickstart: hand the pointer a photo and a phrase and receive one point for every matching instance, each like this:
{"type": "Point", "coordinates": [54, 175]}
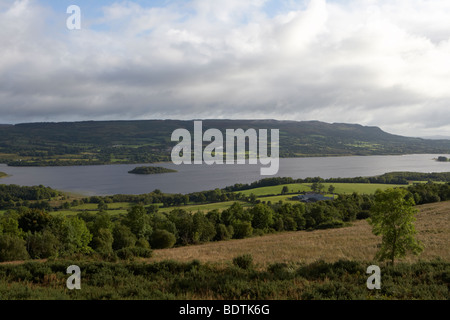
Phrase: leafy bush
{"type": "Point", "coordinates": [133, 252]}
{"type": "Point", "coordinates": [123, 237]}
{"type": "Point", "coordinates": [142, 243]}
{"type": "Point", "coordinates": [12, 248]}
{"type": "Point", "coordinates": [34, 220]}
{"type": "Point", "coordinates": [223, 232]}
{"type": "Point", "coordinates": [244, 261]}
{"type": "Point", "coordinates": [162, 239]}
{"type": "Point", "coordinates": [42, 245]}
{"type": "Point", "coordinates": [102, 242]}
{"type": "Point", "coordinates": [242, 229]}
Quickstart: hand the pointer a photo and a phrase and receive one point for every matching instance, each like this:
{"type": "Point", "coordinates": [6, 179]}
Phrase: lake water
{"type": "Point", "coordinates": [115, 179]}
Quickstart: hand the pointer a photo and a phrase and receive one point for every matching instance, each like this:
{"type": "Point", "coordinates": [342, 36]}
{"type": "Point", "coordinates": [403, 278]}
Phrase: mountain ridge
{"type": "Point", "coordinates": [146, 141]}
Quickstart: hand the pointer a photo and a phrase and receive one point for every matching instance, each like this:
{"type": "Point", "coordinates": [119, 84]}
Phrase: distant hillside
{"type": "Point", "coordinates": [437, 137]}
{"type": "Point", "coordinates": [145, 141]}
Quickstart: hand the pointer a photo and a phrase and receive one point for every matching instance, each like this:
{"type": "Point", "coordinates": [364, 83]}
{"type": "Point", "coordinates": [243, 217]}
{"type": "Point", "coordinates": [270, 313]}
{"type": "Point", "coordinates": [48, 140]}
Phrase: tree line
{"type": "Point", "coordinates": [387, 178]}
{"type": "Point", "coordinates": [35, 233]}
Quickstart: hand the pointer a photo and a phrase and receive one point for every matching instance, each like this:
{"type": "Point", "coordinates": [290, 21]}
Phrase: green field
{"type": "Point", "coordinates": [94, 206]}
{"type": "Point", "coordinates": [340, 188]}
{"type": "Point", "coordinates": [205, 207]}
{"type": "Point", "coordinates": [263, 194]}
{"type": "Point", "coordinates": [122, 207]}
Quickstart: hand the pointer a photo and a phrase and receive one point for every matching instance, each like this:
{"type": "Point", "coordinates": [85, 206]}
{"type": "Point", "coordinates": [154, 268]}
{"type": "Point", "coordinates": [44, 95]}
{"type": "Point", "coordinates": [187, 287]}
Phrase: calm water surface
{"type": "Point", "coordinates": [115, 179]}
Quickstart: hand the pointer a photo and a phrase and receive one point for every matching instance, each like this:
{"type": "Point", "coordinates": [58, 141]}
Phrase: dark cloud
{"type": "Point", "coordinates": [374, 63]}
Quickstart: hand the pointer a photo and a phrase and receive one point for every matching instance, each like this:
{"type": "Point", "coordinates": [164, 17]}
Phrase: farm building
{"type": "Point", "coordinates": [312, 197]}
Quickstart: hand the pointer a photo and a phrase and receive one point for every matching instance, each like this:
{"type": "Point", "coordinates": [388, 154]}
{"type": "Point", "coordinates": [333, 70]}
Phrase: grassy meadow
{"type": "Point", "coordinates": [340, 188]}
{"type": "Point", "coordinates": [301, 265]}
{"type": "Point", "coordinates": [316, 265]}
{"type": "Point", "coordinates": [264, 194]}
{"type": "Point", "coordinates": [355, 242]}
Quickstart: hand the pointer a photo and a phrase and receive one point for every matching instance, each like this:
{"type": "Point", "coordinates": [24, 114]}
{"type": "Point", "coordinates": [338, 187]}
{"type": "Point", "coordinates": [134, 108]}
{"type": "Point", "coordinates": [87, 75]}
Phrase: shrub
{"type": "Point", "coordinates": [34, 220]}
{"type": "Point", "coordinates": [103, 241]}
{"type": "Point", "coordinates": [242, 229]}
{"type": "Point", "coordinates": [123, 237]}
{"type": "Point", "coordinates": [133, 252]}
{"type": "Point", "coordinates": [142, 243]}
{"type": "Point", "coordinates": [363, 215]}
{"type": "Point", "coordinates": [316, 270]}
{"type": "Point", "coordinates": [42, 245]}
{"type": "Point", "coordinates": [162, 239]}
{"type": "Point", "coordinates": [330, 224]}
{"type": "Point", "coordinates": [244, 261]}
{"type": "Point", "coordinates": [223, 232]}
{"type": "Point", "coordinates": [12, 248]}
{"type": "Point", "coordinates": [277, 267]}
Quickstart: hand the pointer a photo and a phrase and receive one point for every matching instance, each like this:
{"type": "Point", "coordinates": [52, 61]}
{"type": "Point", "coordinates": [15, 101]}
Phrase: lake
{"type": "Point", "coordinates": [115, 179]}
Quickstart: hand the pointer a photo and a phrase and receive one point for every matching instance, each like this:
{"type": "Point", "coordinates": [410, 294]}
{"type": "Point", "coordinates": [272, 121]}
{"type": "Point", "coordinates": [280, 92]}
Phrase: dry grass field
{"type": "Point", "coordinates": [353, 243]}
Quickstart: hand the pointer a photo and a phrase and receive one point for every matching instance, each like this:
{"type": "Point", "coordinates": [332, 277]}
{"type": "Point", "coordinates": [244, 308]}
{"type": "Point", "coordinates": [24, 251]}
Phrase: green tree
{"type": "Point", "coordinates": [34, 220]}
{"type": "Point", "coordinates": [162, 239]}
{"type": "Point", "coordinates": [231, 214]}
{"type": "Point", "coordinates": [160, 221]}
{"type": "Point", "coordinates": [204, 230]}
{"type": "Point", "coordinates": [102, 221]}
{"type": "Point", "coordinates": [102, 206]}
{"type": "Point", "coordinates": [10, 225]}
{"type": "Point", "coordinates": [12, 248]}
{"type": "Point", "coordinates": [242, 229]}
{"type": "Point", "coordinates": [142, 243]}
{"type": "Point", "coordinates": [331, 189]}
{"type": "Point", "coordinates": [42, 245]}
{"type": "Point", "coordinates": [184, 225]}
{"type": "Point", "coordinates": [317, 186]}
{"type": "Point", "coordinates": [284, 190]}
{"type": "Point", "coordinates": [320, 187]}
{"type": "Point", "coordinates": [65, 205]}
{"type": "Point", "coordinates": [152, 209]}
{"type": "Point", "coordinates": [392, 217]}
{"type": "Point", "coordinates": [223, 232]}
{"type": "Point", "coordinates": [74, 235]}
{"type": "Point", "coordinates": [262, 216]}
{"type": "Point", "coordinates": [123, 237]}
{"type": "Point", "coordinates": [103, 240]}
{"type": "Point", "coordinates": [138, 221]}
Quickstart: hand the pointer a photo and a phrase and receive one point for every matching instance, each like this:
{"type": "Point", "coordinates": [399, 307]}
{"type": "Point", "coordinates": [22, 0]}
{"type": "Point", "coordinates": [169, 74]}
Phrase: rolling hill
{"type": "Point", "coordinates": [145, 141]}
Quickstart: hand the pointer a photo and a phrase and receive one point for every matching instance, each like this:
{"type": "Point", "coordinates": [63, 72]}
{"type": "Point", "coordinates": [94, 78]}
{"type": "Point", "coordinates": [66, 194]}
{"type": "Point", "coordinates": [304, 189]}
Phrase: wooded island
{"type": "Point", "coordinates": [150, 170]}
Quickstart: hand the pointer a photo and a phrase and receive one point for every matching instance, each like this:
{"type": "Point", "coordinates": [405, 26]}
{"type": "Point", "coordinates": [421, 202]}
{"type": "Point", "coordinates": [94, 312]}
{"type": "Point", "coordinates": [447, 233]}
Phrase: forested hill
{"type": "Point", "coordinates": [143, 141]}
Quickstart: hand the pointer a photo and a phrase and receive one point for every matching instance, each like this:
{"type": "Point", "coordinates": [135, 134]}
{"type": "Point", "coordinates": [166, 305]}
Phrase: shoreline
{"type": "Point", "coordinates": [4, 175]}
{"type": "Point", "coordinates": [170, 162]}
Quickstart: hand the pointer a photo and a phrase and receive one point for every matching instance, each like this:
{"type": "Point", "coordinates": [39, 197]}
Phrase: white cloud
{"type": "Point", "coordinates": [384, 63]}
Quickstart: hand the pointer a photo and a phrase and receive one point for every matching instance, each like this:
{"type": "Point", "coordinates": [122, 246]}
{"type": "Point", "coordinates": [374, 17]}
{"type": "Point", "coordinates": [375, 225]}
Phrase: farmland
{"type": "Point", "coordinates": [262, 244]}
{"type": "Point", "coordinates": [355, 242]}
{"type": "Point", "coordinates": [317, 265]}
{"type": "Point", "coordinates": [263, 194]}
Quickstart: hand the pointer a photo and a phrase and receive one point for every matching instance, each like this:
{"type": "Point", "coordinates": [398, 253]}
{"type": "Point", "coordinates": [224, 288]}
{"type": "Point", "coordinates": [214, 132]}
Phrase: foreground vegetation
{"type": "Point", "coordinates": [120, 259]}
{"type": "Point", "coordinates": [239, 279]}
{"type": "Point", "coordinates": [31, 226]}
{"type": "Point", "coordinates": [355, 242]}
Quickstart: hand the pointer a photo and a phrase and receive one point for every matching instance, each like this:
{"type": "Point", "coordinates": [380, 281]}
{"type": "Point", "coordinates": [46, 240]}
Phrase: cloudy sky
{"type": "Point", "coordinates": [375, 62]}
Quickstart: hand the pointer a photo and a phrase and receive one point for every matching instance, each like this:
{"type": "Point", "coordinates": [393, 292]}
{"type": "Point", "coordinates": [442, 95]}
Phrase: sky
{"type": "Point", "coordinates": [382, 63]}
